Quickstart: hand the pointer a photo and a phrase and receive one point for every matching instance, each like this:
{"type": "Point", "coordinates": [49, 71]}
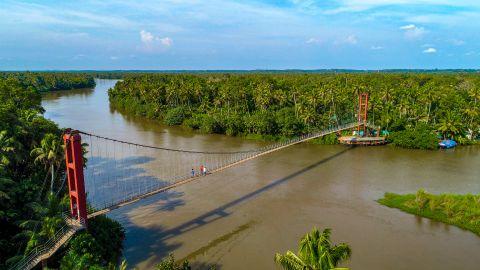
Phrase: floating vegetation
{"type": "Point", "coordinates": [460, 210]}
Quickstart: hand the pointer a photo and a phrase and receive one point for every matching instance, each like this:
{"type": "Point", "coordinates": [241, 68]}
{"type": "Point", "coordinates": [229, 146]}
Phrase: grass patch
{"type": "Point", "coordinates": [460, 210]}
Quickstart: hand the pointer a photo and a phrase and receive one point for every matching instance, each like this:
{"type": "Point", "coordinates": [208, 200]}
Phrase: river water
{"type": "Point", "coordinates": [240, 217]}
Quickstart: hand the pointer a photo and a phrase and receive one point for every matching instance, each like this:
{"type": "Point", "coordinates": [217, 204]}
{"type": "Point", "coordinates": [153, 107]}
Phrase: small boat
{"type": "Point", "coordinates": [446, 144]}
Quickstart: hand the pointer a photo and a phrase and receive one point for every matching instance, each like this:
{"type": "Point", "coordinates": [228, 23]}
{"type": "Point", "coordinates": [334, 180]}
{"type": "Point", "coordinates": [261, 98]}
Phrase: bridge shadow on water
{"type": "Point", "coordinates": [149, 243]}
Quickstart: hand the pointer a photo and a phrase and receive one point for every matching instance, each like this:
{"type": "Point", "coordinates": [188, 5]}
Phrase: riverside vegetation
{"type": "Point", "coordinates": [285, 105]}
{"type": "Point", "coordinates": [32, 180]}
{"type": "Point", "coordinates": [51, 81]}
{"type": "Point", "coordinates": [459, 210]}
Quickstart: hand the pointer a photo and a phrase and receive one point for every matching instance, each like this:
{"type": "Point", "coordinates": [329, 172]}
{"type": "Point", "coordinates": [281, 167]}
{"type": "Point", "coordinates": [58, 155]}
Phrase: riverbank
{"type": "Point", "coordinates": [288, 105]}
{"type": "Point", "coordinates": [460, 210]}
{"type": "Point", "coordinates": [285, 193]}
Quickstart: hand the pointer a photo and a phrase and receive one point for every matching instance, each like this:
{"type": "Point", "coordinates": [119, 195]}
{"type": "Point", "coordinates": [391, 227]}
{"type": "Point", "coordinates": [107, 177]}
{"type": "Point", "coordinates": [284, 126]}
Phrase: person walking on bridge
{"type": "Point", "coordinates": [201, 169]}
{"type": "Point", "coordinates": [193, 172]}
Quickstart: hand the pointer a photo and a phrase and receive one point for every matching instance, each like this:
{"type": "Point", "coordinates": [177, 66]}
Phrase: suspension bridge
{"type": "Point", "coordinates": [105, 173]}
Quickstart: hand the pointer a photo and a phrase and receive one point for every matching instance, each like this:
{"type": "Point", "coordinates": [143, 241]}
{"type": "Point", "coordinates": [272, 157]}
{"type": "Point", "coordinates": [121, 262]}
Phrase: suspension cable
{"type": "Point", "coordinates": [170, 149]}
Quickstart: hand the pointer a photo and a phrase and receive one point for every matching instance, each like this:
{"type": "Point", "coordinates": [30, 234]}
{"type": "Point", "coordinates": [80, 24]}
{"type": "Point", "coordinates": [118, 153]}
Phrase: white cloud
{"type": "Point", "coordinates": [376, 48]}
{"type": "Point", "coordinates": [430, 50]}
{"type": "Point", "coordinates": [466, 19]}
{"type": "Point", "coordinates": [457, 42]}
{"type": "Point", "coordinates": [78, 56]}
{"type": "Point", "coordinates": [408, 27]}
{"type": "Point", "coordinates": [313, 41]}
{"type": "Point", "coordinates": [146, 37]}
{"type": "Point", "coordinates": [412, 31]}
{"type": "Point", "coordinates": [352, 39]}
{"type": "Point", "coordinates": [38, 14]}
{"type": "Point", "coordinates": [153, 43]}
{"type": "Point", "coordinates": [113, 58]}
{"type": "Point", "coordinates": [345, 6]}
{"type": "Point", "coordinates": [165, 41]}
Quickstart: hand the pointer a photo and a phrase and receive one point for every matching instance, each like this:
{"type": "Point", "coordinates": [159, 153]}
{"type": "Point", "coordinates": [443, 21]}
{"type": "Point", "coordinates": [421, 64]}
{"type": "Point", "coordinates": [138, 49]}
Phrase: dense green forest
{"type": "Point", "coordinates": [31, 200]}
{"type": "Point", "coordinates": [51, 81]}
{"type": "Point", "coordinates": [285, 105]}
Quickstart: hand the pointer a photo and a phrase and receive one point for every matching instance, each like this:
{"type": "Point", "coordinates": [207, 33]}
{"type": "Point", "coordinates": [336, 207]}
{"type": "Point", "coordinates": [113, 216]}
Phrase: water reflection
{"type": "Point", "coordinates": [78, 93]}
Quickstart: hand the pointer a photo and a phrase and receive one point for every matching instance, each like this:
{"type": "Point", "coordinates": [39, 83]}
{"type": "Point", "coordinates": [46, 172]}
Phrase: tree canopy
{"type": "Point", "coordinates": [31, 150]}
{"type": "Point", "coordinates": [291, 104]}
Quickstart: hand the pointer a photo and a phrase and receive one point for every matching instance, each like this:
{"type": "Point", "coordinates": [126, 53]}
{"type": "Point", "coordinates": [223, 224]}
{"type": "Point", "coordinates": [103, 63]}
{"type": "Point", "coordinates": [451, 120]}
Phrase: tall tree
{"type": "Point", "coordinates": [50, 153]}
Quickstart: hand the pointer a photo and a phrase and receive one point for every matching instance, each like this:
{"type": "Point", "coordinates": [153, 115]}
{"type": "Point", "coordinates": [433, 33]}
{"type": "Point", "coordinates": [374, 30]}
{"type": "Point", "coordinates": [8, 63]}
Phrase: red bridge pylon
{"type": "Point", "coordinates": [76, 181]}
{"type": "Point", "coordinates": [362, 111]}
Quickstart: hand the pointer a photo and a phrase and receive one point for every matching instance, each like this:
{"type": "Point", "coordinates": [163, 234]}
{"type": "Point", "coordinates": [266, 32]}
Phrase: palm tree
{"type": "Point", "coordinates": [50, 153]}
{"type": "Point", "coordinates": [45, 222]}
{"type": "Point", "coordinates": [315, 252]}
{"type": "Point", "coordinates": [450, 125]}
{"type": "Point", "coordinates": [6, 146]}
{"type": "Point", "coordinates": [4, 190]}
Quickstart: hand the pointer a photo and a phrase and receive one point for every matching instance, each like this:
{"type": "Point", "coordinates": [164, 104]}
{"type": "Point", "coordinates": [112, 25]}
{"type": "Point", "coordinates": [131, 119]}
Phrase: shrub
{"type": "Point", "coordinates": [232, 123]}
{"type": "Point", "coordinates": [288, 124]}
{"type": "Point", "coordinates": [421, 137]}
{"type": "Point", "coordinates": [261, 122]}
{"type": "Point", "coordinates": [421, 199]}
{"type": "Point", "coordinates": [207, 124]}
{"type": "Point", "coordinates": [329, 139]}
{"type": "Point", "coordinates": [96, 248]}
{"type": "Point", "coordinates": [170, 264]}
{"type": "Point", "coordinates": [194, 122]}
{"type": "Point", "coordinates": [175, 116]}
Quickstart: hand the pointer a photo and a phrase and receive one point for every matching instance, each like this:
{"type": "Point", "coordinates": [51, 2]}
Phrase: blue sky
{"type": "Point", "coordinates": [249, 34]}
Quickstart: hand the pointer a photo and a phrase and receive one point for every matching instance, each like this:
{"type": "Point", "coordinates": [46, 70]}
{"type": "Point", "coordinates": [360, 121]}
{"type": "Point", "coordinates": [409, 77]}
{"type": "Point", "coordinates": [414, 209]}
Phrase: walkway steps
{"type": "Point", "coordinates": [46, 250]}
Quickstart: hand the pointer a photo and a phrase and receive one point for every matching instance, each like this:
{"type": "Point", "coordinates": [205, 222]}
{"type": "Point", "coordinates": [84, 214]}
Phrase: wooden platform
{"type": "Point", "coordinates": [354, 140]}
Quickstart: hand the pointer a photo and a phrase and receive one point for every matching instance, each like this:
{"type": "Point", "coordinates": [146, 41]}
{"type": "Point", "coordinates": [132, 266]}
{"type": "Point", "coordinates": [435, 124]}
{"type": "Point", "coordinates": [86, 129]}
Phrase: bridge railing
{"type": "Point", "coordinates": [131, 189]}
{"type": "Point", "coordinates": [32, 258]}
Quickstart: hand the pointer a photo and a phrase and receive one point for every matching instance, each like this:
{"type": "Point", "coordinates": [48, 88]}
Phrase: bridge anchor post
{"type": "Point", "coordinates": [76, 181]}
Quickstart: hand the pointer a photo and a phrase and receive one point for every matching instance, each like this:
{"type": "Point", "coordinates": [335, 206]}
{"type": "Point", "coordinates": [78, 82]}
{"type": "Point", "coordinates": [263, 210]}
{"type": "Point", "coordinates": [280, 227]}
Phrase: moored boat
{"type": "Point", "coordinates": [446, 144]}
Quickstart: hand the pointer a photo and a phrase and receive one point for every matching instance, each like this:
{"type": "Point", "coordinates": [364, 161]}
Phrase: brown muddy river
{"type": "Point", "coordinates": [239, 218]}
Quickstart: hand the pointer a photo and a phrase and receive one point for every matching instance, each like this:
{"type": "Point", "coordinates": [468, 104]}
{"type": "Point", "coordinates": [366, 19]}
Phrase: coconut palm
{"type": "Point", "coordinates": [5, 183]}
{"type": "Point", "coordinates": [6, 146]}
{"type": "Point", "coordinates": [450, 124]}
{"type": "Point", "coordinates": [316, 252]}
{"type": "Point", "coordinates": [45, 222]}
{"type": "Point", "coordinates": [50, 153]}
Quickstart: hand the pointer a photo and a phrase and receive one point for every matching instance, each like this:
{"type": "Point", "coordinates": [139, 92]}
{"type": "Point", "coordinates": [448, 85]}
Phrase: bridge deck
{"type": "Point", "coordinates": [190, 179]}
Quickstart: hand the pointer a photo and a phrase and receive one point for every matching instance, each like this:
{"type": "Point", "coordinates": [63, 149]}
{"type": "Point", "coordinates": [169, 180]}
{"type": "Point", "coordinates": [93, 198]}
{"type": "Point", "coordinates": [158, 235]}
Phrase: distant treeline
{"type": "Point", "coordinates": [291, 104]}
{"type": "Point", "coordinates": [51, 81]}
{"type": "Point", "coordinates": [120, 74]}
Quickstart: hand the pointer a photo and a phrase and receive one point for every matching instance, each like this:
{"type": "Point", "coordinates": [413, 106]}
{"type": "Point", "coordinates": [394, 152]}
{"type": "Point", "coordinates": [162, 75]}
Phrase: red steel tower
{"type": "Point", "coordinates": [76, 182]}
{"type": "Point", "coordinates": [362, 112]}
